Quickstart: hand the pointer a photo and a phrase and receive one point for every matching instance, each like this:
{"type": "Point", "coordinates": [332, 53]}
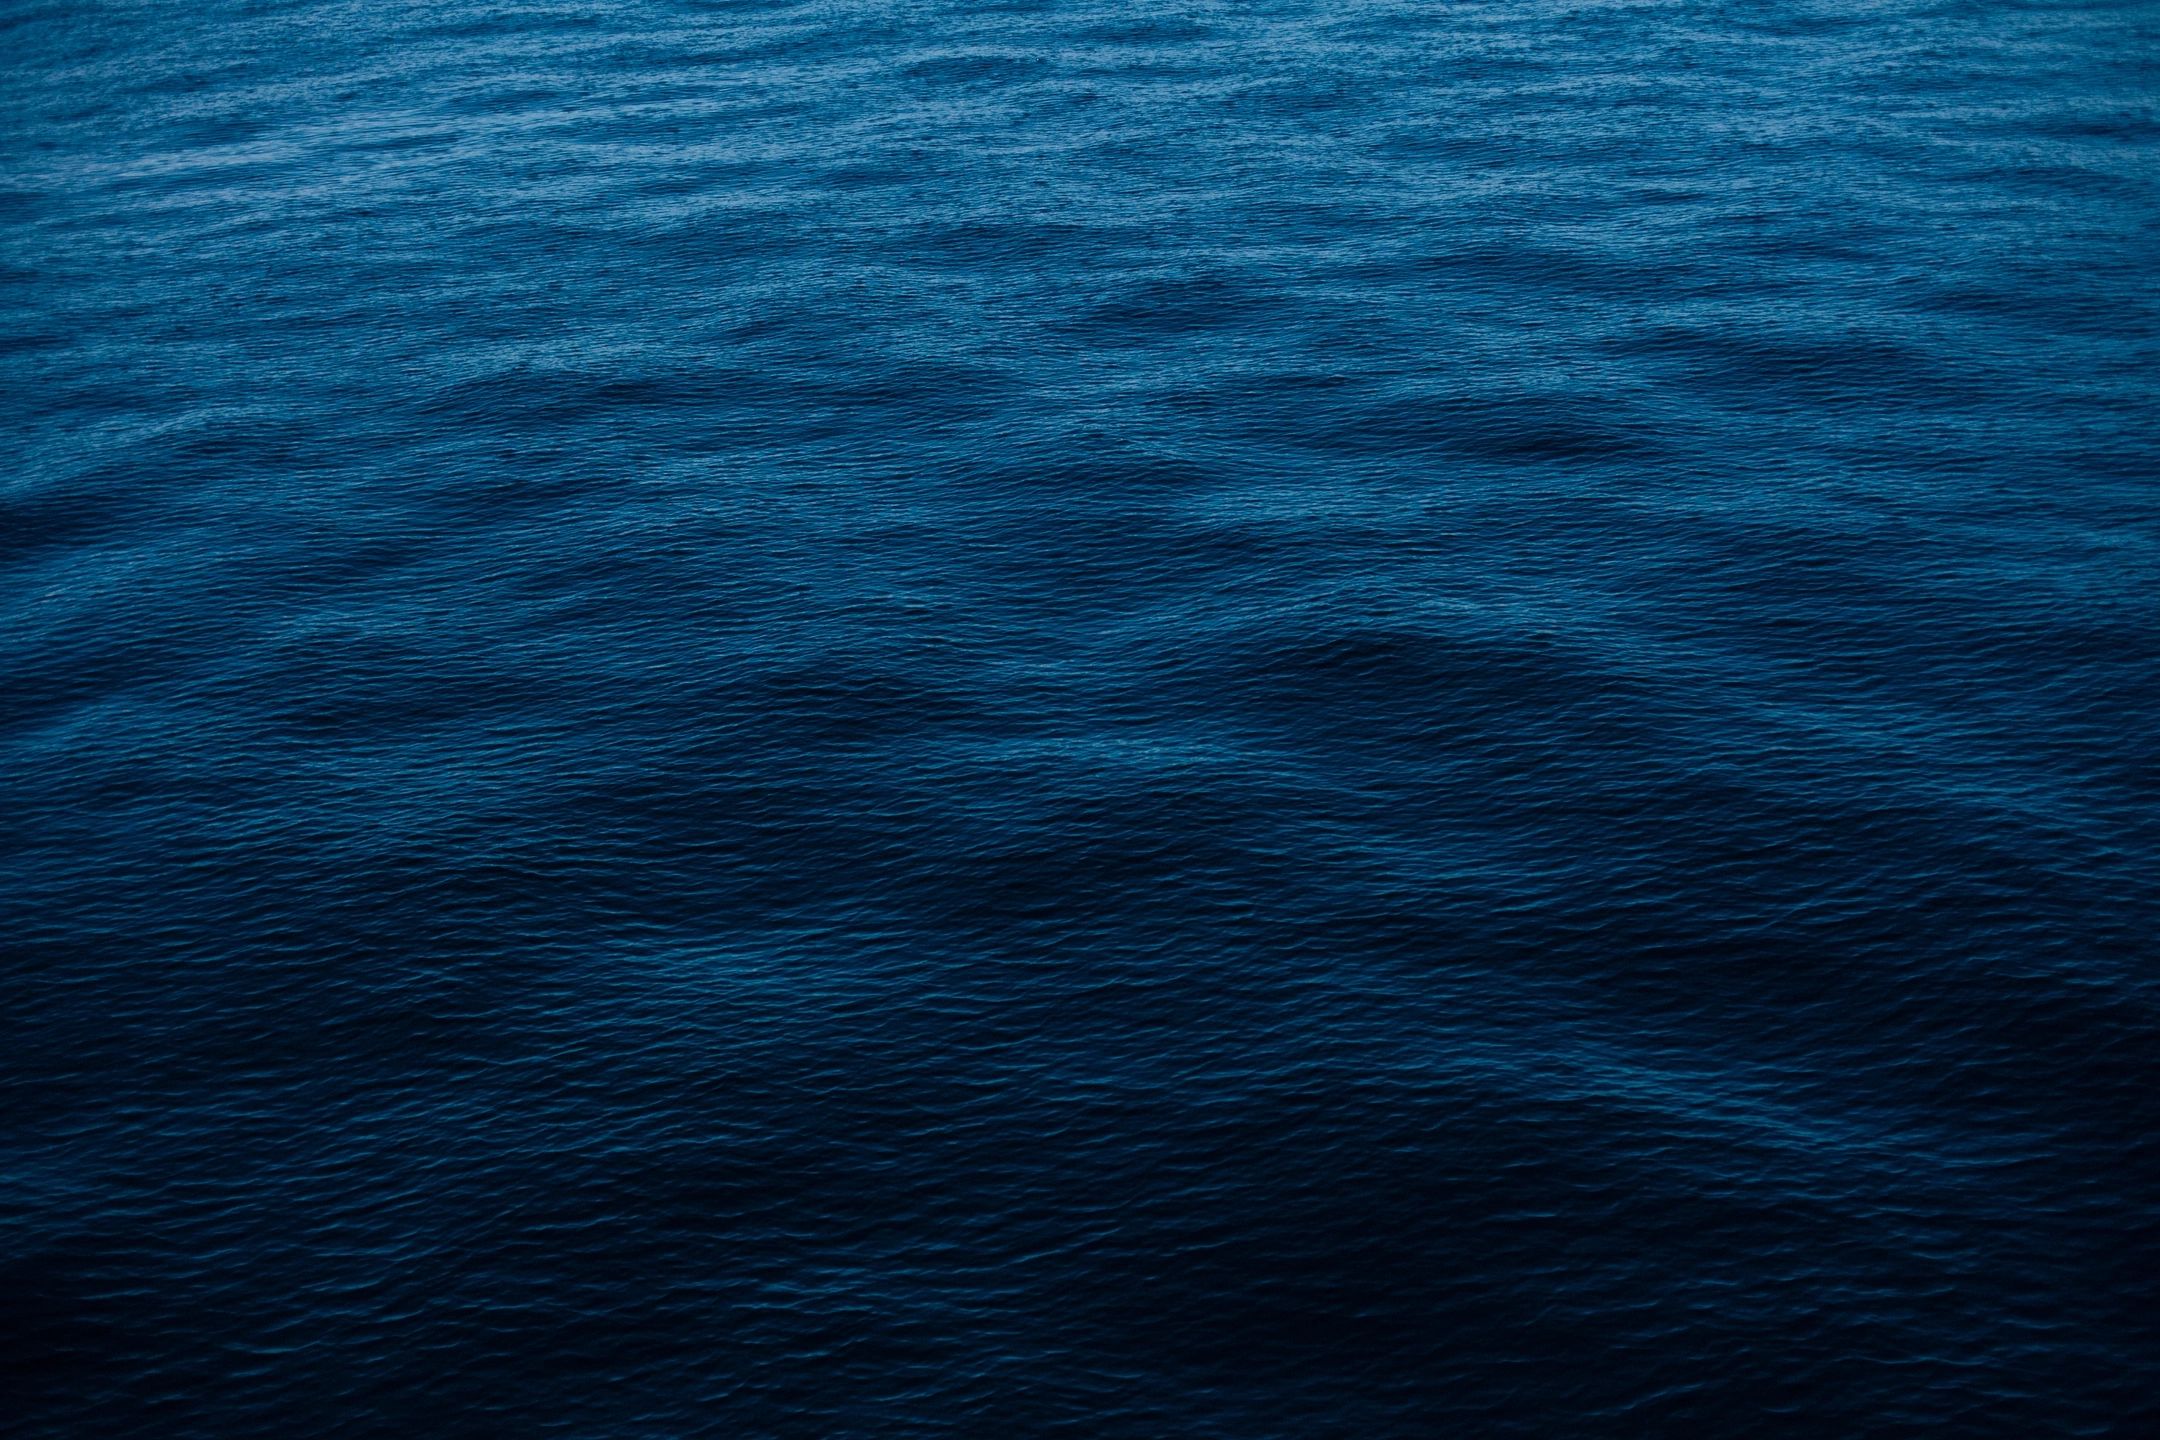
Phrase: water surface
{"type": "Point", "coordinates": [927, 719]}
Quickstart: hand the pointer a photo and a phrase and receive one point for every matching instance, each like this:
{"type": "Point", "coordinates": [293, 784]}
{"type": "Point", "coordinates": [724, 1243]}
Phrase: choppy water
{"type": "Point", "coordinates": [1310, 719]}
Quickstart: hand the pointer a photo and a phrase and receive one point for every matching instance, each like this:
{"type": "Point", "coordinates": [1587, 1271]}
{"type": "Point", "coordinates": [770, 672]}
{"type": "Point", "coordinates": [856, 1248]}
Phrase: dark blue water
{"type": "Point", "coordinates": [922, 719]}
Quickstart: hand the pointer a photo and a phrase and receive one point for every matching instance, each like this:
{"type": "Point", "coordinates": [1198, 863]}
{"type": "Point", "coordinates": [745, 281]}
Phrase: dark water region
{"type": "Point", "coordinates": [917, 719]}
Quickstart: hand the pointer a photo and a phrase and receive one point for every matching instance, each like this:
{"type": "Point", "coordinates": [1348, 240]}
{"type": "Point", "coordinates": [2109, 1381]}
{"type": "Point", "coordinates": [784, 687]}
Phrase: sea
{"type": "Point", "coordinates": [1032, 718]}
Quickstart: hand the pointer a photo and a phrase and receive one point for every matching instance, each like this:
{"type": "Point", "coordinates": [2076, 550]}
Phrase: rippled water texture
{"type": "Point", "coordinates": [917, 719]}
